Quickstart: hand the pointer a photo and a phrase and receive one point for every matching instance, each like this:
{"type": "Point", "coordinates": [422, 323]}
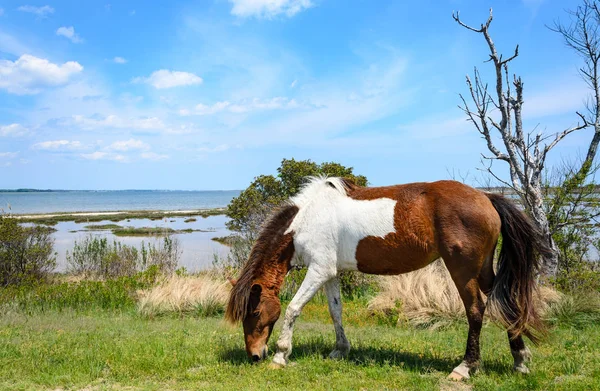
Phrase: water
{"type": "Point", "coordinates": [198, 248]}
{"type": "Point", "coordinates": [103, 201]}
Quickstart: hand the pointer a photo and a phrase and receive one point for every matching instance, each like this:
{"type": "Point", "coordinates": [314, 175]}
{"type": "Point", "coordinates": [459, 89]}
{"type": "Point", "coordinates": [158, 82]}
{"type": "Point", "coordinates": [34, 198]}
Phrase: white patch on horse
{"type": "Point", "coordinates": [330, 224]}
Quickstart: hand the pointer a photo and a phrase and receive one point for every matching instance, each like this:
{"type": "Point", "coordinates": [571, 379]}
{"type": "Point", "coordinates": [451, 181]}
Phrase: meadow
{"type": "Point", "coordinates": [96, 335]}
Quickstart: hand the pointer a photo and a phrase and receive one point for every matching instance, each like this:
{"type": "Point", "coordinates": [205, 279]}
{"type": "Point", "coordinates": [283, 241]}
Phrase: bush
{"type": "Point", "coordinates": [95, 257]}
{"type": "Point", "coordinates": [26, 253]}
{"type": "Point", "coordinates": [248, 211]}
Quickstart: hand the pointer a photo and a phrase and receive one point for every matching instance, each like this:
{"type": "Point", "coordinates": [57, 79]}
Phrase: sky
{"type": "Point", "coordinates": [201, 95]}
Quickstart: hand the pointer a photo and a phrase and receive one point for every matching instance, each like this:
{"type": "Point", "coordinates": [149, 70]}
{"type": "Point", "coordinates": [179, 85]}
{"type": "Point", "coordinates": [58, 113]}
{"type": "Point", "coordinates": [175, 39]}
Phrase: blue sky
{"type": "Point", "coordinates": [208, 94]}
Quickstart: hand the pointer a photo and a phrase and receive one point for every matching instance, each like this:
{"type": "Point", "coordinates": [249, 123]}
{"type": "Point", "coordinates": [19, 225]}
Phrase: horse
{"type": "Point", "coordinates": [334, 225]}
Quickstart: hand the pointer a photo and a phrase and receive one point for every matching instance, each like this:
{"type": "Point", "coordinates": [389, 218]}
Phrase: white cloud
{"type": "Point", "coordinates": [39, 11]}
{"type": "Point", "coordinates": [8, 155]}
{"type": "Point", "coordinates": [294, 84]}
{"type": "Point", "coordinates": [202, 109]}
{"type": "Point", "coordinates": [99, 155]}
{"type": "Point", "coordinates": [128, 145]}
{"type": "Point", "coordinates": [114, 121]}
{"type": "Point", "coordinates": [69, 32]}
{"type": "Point", "coordinates": [165, 78]}
{"type": "Point", "coordinates": [438, 127]}
{"type": "Point", "coordinates": [58, 145]}
{"type": "Point", "coordinates": [13, 130]}
{"type": "Point", "coordinates": [244, 106]}
{"type": "Point", "coordinates": [119, 60]}
{"type": "Point", "coordinates": [153, 156]}
{"type": "Point", "coordinates": [218, 148]}
{"type": "Point", "coordinates": [1, 11]}
{"type": "Point", "coordinates": [268, 8]}
{"type": "Point", "coordinates": [562, 97]}
{"type": "Point", "coordinates": [28, 74]}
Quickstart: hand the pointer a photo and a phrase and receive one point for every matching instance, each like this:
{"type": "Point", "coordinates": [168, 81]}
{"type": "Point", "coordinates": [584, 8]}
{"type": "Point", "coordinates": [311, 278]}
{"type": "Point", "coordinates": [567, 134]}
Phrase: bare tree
{"type": "Point", "coordinates": [582, 35]}
{"type": "Point", "coordinates": [525, 152]}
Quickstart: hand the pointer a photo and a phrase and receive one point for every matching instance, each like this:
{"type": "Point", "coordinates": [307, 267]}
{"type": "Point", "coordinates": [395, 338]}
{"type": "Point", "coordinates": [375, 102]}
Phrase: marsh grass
{"type": "Point", "coordinates": [199, 295]}
{"type": "Point", "coordinates": [153, 231]}
{"type": "Point", "coordinates": [78, 217]}
{"type": "Point", "coordinates": [578, 311]}
{"type": "Point", "coordinates": [96, 257]}
{"type": "Point", "coordinates": [428, 298]}
{"type": "Point", "coordinates": [102, 227]}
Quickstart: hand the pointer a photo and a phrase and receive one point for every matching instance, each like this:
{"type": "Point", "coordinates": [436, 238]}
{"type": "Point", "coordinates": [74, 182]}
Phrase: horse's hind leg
{"type": "Point", "coordinates": [313, 281]}
{"type": "Point", "coordinates": [464, 275]}
{"type": "Point", "coordinates": [521, 354]}
{"type": "Point", "coordinates": [342, 346]}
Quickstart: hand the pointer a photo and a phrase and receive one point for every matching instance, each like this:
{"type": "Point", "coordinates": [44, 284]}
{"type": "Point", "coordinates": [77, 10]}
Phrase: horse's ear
{"type": "Point", "coordinates": [232, 281]}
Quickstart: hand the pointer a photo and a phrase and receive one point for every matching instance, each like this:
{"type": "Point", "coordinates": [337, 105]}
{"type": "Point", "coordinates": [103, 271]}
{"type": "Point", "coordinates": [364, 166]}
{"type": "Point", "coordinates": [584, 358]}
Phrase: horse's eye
{"type": "Point", "coordinates": [256, 314]}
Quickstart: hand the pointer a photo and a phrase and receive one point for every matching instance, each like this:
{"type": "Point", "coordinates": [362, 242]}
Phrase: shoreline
{"type": "Point", "coordinates": [119, 215]}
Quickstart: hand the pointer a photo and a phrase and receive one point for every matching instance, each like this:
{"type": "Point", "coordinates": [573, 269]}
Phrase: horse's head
{"type": "Point", "coordinates": [262, 311]}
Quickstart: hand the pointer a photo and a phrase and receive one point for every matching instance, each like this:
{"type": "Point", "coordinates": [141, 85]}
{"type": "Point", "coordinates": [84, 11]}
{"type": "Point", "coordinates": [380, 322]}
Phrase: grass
{"type": "Point", "coordinates": [102, 227]}
{"type": "Point", "coordinates": [225, 240]}
{"type": "Point", "coordinates": [199, 295]}
{"type": "Point", "coordinates": [78, 217]}
{"type": "Point", "coordinates": [99, 349]}
{"type": "Point", "coordinates": [190, 220]}
{"type": "Point", "coordinates": [132, 333]}
{"type": "Point", "coordinates": [152, 231]}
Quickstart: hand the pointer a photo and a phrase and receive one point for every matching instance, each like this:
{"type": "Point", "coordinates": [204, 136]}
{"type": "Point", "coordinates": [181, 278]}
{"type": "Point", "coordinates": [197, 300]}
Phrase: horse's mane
{"type": "Point", "coordinates": [267, 249]}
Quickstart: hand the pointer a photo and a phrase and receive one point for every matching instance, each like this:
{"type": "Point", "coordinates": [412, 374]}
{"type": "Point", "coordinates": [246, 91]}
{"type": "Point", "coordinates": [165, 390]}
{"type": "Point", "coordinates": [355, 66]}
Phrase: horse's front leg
{"type": "Point", "coordinates": [334, 300]}
{"type": "Point", "coordinates": [313, 281]}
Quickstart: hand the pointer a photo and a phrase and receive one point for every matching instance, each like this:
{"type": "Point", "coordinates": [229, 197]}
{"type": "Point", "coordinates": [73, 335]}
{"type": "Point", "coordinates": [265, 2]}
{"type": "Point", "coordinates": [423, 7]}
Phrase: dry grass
{"type": "Point", "coordinates": [202, 295]}
{"type": "Point", "coordinates": [428, 298]}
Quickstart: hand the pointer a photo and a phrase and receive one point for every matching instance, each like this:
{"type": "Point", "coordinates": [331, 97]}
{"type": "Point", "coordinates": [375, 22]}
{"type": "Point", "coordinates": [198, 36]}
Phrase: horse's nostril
{"type": "Point", "coordinates": [255, 358]}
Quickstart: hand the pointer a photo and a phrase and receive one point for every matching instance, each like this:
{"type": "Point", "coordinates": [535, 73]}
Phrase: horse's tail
{"type": "Point", "coordinates": [512, 294]}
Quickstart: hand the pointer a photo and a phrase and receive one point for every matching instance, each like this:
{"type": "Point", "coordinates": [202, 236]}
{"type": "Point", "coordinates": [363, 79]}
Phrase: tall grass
{"type": "Point", "coordinates": [200, 295]}
{"type": "Point", "coordinates": [428, 298]}
{"type": "Point", "coordinates": [98, 258]}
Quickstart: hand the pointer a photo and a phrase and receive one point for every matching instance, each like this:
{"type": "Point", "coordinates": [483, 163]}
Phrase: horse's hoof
{"type": "Point", "coordinates": [460, 373]}
{"type": "Point", "coordinates": [279, 361]}
{"type": "Point", "coordinates": [275, 365]}
{"type": "Point", "coordinates": [455, 376]}
{"type": "Point", "coordinates": [521, 369]}
{"type": "Point", "coordinates": [338, 354]}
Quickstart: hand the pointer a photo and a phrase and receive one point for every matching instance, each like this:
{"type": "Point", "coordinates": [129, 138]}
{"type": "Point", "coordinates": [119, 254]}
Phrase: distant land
{"type": "Point", "coordinates": [28, 190]}
{"type": "Point", "coordinates": [98, 191]}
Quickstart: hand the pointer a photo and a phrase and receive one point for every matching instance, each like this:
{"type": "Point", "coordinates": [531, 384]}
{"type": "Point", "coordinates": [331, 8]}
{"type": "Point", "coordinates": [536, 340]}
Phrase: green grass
{"type": "Point", "coordinates": [101, 227]}
{"type": "Point", "coordinates": [117, 349]}
{"type": "Point", "coordinates": [153, 231]}
{"type": "Point", "coordinates": [225, 240]}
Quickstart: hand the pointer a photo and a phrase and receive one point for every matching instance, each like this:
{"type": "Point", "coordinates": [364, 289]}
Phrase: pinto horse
{"type": "Point", "coordinates": [333, 225]}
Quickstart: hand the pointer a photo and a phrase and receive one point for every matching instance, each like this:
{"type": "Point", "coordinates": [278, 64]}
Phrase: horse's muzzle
{"type": "Point", "coordinates": [259, 357]}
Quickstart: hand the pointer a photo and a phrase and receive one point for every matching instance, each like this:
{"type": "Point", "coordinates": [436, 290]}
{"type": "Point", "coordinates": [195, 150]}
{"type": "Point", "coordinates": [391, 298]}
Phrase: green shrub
{"type": "Point", "coordinates": [26, 253]}
{"type": "Point", "coordinates": [248, 211]}
{"type": "Point", "coordinates": [96, 257]}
